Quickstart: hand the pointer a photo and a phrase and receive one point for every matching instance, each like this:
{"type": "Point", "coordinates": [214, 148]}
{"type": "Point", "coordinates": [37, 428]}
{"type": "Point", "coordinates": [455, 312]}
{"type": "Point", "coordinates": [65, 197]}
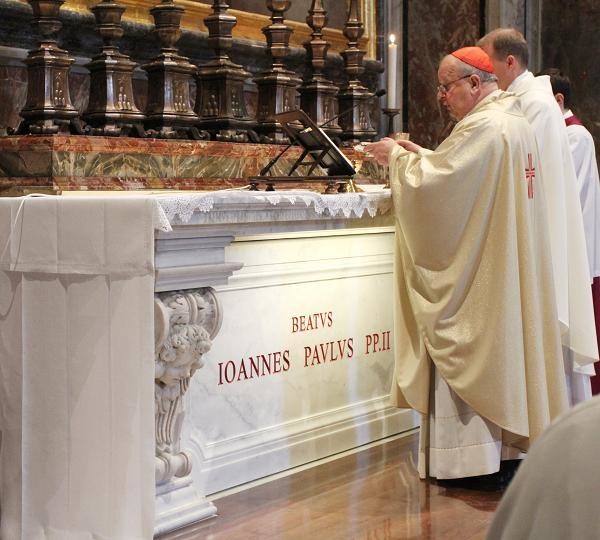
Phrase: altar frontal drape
{"type": "Point", "coordinates": [76, 368]}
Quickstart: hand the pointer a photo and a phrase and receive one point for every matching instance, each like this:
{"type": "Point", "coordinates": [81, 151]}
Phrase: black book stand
{"type": "Point", "coordinates": [317, 147]}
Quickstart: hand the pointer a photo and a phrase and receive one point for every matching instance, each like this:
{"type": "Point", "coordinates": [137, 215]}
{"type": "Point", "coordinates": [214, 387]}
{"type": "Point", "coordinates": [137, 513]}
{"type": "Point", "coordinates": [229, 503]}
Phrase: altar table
{"type": "Point", "coordinates": [159, 349]}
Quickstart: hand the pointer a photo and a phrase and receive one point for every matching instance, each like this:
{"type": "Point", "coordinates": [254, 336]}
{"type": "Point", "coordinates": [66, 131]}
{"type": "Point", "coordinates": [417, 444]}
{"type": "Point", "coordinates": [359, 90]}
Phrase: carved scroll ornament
{"type": "Point", "coordinates": [185, 324]}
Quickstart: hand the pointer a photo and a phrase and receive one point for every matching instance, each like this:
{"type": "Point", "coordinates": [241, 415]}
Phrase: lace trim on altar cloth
{"type": "Point", "coordinates": [181, 207]}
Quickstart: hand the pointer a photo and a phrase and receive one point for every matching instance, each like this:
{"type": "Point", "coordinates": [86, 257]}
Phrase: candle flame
{"type": "Point", "coordinates": [392, 38]}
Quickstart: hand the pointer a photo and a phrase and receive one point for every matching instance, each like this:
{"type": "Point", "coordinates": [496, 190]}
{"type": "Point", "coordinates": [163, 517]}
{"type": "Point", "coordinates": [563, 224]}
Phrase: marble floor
{"type": "Point", "coordinates": [374, 494]}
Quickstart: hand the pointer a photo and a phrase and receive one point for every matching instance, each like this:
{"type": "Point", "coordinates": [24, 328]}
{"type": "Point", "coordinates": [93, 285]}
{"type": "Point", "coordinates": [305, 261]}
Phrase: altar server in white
{"type": "Point", "coordinates": [477, 341]}
{"type": "Point", "coordinates": [581, 144]}
{"type": "Point", "coordinates": [583, 151]}
{"type": "Point", "coordinates": [508, 51]}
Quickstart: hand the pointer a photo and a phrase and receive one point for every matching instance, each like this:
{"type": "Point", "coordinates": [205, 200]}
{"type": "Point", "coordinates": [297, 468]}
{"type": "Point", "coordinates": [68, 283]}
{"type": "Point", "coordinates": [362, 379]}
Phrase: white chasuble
{"type": "Point", "coordinates": [568, 244]}
{"type": "Point", "coordinates": [77, 368]}
{"type": "Point", "coordinates": [473, 288]}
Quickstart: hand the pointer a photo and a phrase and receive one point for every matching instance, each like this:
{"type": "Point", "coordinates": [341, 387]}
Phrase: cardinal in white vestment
{"type": "Point", "coordinates": [477, 341]}
{"type": "Point", "coordinates": [509, 55]}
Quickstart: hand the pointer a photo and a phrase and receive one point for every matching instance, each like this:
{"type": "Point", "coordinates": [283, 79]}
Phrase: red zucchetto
{"type": "Point", "coordinates": [476, 57]}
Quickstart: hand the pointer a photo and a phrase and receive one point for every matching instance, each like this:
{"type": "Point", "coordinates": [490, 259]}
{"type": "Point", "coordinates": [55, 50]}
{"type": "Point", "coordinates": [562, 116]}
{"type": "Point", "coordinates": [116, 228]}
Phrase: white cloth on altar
{"type": "Point", "coordinates": [554, 494]}
{"type": "Point", "coordinates": [583, 151]}
{"type": "Point", "coordinates": [567, 238]}
{"type": "Point", "coordinates": [77, 368]}
{"type": "Point", "coordinates": [180, 207]}
{"type": "Point", "coordinates": [461, 443]}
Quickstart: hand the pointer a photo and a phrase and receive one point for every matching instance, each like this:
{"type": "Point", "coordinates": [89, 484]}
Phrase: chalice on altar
{"type": "Point", "coordinates": [357, 163]}
{"type": "Point", "coordinates": [400, 136]}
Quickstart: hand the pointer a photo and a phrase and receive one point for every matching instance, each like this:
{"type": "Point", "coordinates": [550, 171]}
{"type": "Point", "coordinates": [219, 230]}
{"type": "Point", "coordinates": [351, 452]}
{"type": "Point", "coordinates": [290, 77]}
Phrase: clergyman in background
{"type": "Point", "coordinates": [508, 52]}
{"type": "Point", "coordinates": [583, 151]}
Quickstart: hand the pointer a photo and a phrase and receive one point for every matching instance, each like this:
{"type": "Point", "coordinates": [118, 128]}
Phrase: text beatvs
{"type": "Point", "coordinates": [331, 351]}
{"type": "Point", "coordinates": [254, 366]}
{"type": "Point", "coordinates": [304, 323]}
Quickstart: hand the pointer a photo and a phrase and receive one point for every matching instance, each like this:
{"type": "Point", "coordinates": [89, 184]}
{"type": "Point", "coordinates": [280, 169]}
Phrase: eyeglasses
{"type": "Point", "coordinates": [445, 88]}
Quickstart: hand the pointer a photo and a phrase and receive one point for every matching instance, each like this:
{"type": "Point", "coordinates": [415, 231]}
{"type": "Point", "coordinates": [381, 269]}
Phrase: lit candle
{"type": "Point", "coordinates": [391, 72]}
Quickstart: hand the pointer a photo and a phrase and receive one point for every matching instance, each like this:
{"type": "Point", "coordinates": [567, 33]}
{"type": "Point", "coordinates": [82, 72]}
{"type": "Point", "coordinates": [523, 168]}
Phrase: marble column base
{"type": "Point", "coordinates": [178, 505]}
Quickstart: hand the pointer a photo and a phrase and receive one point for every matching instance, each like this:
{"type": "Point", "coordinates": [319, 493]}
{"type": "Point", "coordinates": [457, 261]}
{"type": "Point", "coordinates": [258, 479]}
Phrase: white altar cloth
{"type": "Point", "coordinates": [77, 368]}
{"type": "Point", "coordinates": [180, 207]}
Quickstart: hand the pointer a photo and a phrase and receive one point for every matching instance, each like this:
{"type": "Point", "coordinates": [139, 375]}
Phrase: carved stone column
{"type": "Point", "coordinates": [185, 324]}
{"type": "Point", "coordinates": [354, 97]}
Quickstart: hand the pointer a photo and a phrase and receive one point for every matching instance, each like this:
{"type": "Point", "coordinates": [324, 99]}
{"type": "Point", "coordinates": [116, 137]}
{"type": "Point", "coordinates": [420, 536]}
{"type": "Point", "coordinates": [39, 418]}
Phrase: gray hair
{"type": "Point", "coordinates": [485, 76]}
{"type": "Point", "coordinates": [468, 69]}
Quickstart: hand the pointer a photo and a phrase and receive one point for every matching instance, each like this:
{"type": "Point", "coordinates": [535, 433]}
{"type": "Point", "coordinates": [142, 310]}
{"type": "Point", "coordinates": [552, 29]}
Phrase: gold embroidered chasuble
{"type": "Point", "coordinates": [473, 289]}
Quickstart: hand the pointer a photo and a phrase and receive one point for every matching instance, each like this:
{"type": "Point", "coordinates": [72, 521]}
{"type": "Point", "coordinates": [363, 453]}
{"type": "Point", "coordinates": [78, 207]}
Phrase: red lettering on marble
{"type": "Point", "coordinates": [242, 371]}
{"type": "Point", "coordinates": [253, 367]}
{"type": "Point", "coordinates": [324, 348]}
{"type": "Point", "coordinates": [307, 354]}
{"type": "Point", "coordinates": [329, 351]}
{"type": "Point", "coordinates": [227, 372]}
{"type": "Point", "coordinates": [286, 360]}
{"type": "Point", "coordinates": [314, 321]}
{"type": "Point", "coordinates": [302, 319]}
{"type": "Point", "coordinates": [377, 342]}
{"type": "Point", "coordinates": [265, 364]}
{"type": "Point", "coordinates": [277, 362]}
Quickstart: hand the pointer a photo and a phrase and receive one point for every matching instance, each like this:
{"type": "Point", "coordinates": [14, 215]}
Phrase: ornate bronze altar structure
{"type": "Point", "coordinates": [111, 109]}
{"type": "Point", "coordinates": [318, 94]}
{"type": "Point", "coordinates": [169, 113]}
{"type": "Point", "coordinates": [209, 93]}
{"type": "Point", "coordinates": [220, 100]}
{"type": "Point", "coordinates": [48, 108]}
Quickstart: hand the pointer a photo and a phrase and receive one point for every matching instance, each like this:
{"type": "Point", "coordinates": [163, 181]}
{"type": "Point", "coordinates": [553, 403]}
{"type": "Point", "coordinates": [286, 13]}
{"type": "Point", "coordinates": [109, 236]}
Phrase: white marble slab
{"type": "Point", "coordinates": [315, 308]}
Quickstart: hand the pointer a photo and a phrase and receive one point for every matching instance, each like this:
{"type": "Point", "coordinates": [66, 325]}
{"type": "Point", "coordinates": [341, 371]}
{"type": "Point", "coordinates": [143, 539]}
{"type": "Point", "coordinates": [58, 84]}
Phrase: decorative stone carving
{"type": "Point", "coordinates": [185, 324]}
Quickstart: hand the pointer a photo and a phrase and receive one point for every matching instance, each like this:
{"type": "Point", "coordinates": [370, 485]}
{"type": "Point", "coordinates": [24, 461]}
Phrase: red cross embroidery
{"type": "Point", "coordinates": [529, 176]}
